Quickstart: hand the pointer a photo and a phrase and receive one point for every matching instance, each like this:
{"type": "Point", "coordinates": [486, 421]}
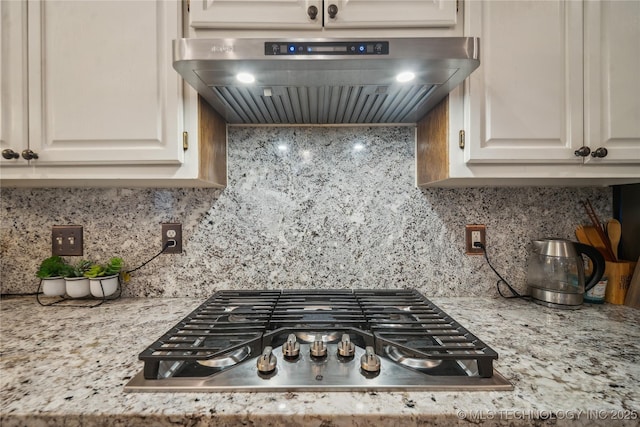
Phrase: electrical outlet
{"type": "Point", "coordinates": [172, 233]}
{"type": "Point", "coordinates": [66, 240]}
{"type": "Point", "coordinates": [474, 233]}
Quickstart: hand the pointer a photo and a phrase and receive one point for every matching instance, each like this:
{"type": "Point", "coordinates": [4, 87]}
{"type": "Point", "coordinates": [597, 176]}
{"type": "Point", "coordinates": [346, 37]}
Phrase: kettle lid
{"type": "Point", "coordinates": [555, 247]}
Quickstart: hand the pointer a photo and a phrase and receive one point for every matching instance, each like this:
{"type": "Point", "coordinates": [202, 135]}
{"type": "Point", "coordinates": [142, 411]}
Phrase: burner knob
{"type": "Point", "coordinates": [267, 361]}
{"type": "Point", "coordinates": [318, 348]}
{"type": "Point", "coordinates": [346, 348]}
{"type": "Point", "coordinates": [369, 361]}
{"type": "Point", "coordinates": [291, 348]}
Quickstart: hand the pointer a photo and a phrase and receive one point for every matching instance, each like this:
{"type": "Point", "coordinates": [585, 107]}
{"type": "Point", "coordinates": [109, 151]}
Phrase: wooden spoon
{"type": "Point", "coordinates": [595, 240]}
{"type": "Point", "coordinates": [614, 230]}
{"type": "Point", "coordinates": [581, 235]}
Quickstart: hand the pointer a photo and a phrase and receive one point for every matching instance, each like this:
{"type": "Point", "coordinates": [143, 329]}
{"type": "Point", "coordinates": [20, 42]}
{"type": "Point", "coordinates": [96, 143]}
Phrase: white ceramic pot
{"type": "Point", "coordinates": [77, 287]}
{"type": "Point", "coordinates": [53, 286]}
{"type": "Point", "coordinates": [108, 283]}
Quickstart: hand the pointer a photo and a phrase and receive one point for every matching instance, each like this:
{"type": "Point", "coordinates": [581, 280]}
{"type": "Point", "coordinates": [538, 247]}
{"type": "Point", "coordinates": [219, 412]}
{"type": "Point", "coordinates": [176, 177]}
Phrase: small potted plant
{"type": "Point", "coordinates": [103, 278]}
{"type": "Point", "coordinates": [77, 285]}
{"type": "Point", "coordinates": [52, 271]}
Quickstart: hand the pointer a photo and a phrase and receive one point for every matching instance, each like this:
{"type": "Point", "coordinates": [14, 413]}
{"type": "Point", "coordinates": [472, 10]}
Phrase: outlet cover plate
{"type": "Point", "coordinates": [172, 231]}
{"type": "Point", "coordinates": [66, 240]}
{"type": "Point", "coordinates": [470, 228]}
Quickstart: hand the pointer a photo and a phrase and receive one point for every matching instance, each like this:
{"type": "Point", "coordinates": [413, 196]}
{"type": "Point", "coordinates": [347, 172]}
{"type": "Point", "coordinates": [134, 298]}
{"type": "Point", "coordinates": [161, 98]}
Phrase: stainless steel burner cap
{"type": "Point", "coordinates": [229, 359]}
{"type": "Point", "coordinates": [398, 356]}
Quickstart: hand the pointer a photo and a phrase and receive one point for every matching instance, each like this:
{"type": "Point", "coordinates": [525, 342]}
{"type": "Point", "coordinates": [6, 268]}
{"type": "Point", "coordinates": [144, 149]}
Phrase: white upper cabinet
{"type": "Point", "coordinates": [612, 82]}
{"type": "Point", "coordinates": [557, 84]}
{"type": "Point", "coordinates": [89, 87]}
{"type": "Point", "coordinates": [526, 98]}
{"type": "Point", "coordinates": [101, 87]}
{"type": "Point", "coordinates": [316, 14]}
{"type": "Point", "coordinates": [291, 14]}
{"type": "Point", "coordinates": [556, 78]}
{"type": "Point", "coordinates": [13, 83]}
{"type": "Point", "coordinates": [389, 13]}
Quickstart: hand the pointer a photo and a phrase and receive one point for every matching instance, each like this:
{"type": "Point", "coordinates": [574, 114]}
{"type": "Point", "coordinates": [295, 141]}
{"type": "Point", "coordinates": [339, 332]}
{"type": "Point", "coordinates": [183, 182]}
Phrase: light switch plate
{"type": "Point", "coordinates": [66, 240]}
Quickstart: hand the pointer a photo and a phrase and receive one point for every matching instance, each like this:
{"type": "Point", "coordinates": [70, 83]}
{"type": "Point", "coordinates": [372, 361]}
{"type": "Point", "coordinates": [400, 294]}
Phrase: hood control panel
{"type": "Point", "coordinates": [326, 48]}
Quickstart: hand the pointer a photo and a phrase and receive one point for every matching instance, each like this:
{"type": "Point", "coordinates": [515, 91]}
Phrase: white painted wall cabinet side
{"type": "Point", "coordinates": [612, 85]}
{"type": "Point", "coordinates": [101, 86]}
{"type": "Point", "coordinates": [389, 13]}
{"type": "Point", "coordinates": [265, 14]}
{"type": "Point", "coordinates": [13, 81]}
{"type": "Point", "coordinates": [526, 96]}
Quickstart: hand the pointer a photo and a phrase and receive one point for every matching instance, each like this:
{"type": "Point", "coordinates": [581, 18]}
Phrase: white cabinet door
{"type": "Point", "coordinates": [265, 14]}
{"type": "Point", "coordinates": [389, 13]}
{"type": "Point", "coordinates": [13, 80]}
{"type": "Point", "coordinates": [101, 86]}
{"type": "Point", "coordinates": [525, 99]}
{"type": "Point", "coordinates": [612, 85]}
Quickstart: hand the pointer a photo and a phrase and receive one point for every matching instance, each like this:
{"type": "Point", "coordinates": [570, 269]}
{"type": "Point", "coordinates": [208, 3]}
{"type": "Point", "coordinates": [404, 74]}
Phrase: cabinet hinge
{"type": "Point", "coordinates": [457, 6]}
{"type": "Point", "coordinates": [461, 140]}
{"type": "Point", "coordinates": [185, 141]}
{"type": "Point", "coordinates": [188, 6]}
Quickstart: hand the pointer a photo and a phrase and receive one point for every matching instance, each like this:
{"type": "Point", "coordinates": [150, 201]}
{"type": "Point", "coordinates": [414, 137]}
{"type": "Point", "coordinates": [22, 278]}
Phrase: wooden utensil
{"type": "Point", "coordinates": [581, 235]}
{"type": "Point", "coordinates": [602, 237]}
{"type": "Point", "coordinates": [614, 231]}
{"type": "Point", "coordinates": [594, 239]}
{"type": "Point", "coordinates": [633, 294]}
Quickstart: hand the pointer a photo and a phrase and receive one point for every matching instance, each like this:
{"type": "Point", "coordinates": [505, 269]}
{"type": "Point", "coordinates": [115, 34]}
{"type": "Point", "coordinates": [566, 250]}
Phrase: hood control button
{"type": "Point", "coordinates": [369, 361]}
{"type": "Point", "coordinates": [346, 348]}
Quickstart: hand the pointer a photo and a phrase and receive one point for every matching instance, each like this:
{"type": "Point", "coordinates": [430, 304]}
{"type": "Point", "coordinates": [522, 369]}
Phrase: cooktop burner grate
{"type": "Point", "coordinates": [400, 324]}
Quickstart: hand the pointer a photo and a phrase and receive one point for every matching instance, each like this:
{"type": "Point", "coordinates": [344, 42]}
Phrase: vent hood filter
{"type": "Point", "coordinates": [324, 81]}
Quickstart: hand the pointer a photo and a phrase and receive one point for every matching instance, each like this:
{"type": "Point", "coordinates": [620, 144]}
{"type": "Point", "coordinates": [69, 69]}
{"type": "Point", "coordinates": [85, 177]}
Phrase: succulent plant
{"type": "Point", "coordinates": [53, 267]}
{"type": "Point", "coordinates": [79, 268]}
{"type": "Point", "coordinates": [100, 270]}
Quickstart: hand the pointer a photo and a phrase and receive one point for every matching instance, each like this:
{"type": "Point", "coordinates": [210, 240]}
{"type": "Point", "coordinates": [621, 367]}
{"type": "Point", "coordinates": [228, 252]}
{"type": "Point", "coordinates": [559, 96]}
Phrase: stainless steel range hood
{"type": "Point", "coordinates": [316, 81]}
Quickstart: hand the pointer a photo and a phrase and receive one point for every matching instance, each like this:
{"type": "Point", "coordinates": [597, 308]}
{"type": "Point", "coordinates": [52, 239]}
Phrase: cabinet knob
{"type": "Point", "coordinates": [29, 155]}
{"type": "Point", "coordinates": [600, 152]}
{"type": "Point", "coordinates": [583, 151]}
{"type": "Point", "coordinates": [9, 154]}
{"type": "Point", "coordinates": [332, 10]}
{"type": "Point", "coordinates": [312, 11]}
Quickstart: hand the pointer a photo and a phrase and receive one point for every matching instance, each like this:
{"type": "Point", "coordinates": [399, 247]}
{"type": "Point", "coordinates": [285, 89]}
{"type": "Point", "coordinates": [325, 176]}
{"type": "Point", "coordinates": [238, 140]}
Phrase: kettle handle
{"type": "Point", "coordinates": [598, 264]}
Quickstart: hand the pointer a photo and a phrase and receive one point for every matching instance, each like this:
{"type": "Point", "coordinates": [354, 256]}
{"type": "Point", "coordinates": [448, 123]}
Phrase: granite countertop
{"type": "Point", "coordinates": [68, 366]}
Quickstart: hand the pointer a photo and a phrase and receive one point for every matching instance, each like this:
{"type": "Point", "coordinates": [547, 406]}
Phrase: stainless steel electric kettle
{"type": "Point", "coordinates": [555, 272]}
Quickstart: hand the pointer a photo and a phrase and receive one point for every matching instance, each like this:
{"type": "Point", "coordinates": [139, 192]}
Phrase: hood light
{"type": "Point", "coordinates": [245, 78]}
{"type": "Point", "coordinates": [406, 76]}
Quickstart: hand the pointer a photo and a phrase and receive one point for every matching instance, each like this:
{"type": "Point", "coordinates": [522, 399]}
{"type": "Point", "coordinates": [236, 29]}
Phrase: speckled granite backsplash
{"type": "Point", "coordinates": [305, 208]}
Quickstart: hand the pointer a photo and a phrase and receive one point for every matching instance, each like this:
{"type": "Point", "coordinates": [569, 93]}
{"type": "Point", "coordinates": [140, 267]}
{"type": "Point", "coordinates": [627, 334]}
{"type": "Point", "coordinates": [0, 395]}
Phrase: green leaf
{"type": "Point", "coordinates": [52, 267]}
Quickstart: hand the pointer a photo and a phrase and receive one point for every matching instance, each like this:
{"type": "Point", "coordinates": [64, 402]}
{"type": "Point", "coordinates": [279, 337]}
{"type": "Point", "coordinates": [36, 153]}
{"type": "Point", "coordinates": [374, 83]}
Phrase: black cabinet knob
{"type": "Point", "coordinates": [600, 152]}
{"type": "Point", "coordinates": [583, 151]}
{"type": "Point", "coordinates": [9, 154]}
{"type": "Point", "coordinates": [29, 155]}
{"type": "Point", "coordinates": [332, 10]}
{"type": "Point", "coordinates": [312, 11]}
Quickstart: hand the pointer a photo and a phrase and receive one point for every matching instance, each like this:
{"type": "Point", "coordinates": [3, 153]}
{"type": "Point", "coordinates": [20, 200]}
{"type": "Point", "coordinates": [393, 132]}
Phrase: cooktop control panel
{"type": "Point", "coordinates": [326, 48]}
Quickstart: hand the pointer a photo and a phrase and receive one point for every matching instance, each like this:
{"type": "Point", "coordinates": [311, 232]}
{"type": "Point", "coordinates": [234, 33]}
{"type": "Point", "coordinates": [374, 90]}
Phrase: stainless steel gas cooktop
{"type": "Point", "coordinates": [317, 340]}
